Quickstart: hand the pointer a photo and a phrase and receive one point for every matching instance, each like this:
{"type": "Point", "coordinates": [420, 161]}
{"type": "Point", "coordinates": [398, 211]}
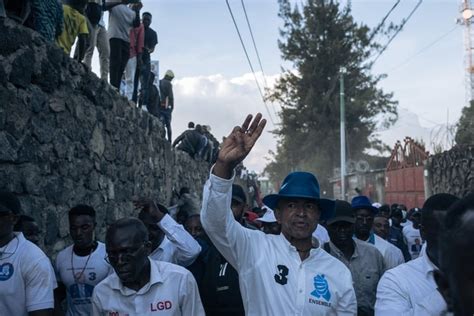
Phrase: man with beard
{"type": "Point", "coordinates": [363, 260]}
{"type": "Point", "coordinates": [364, 214]}
{"type": "Point", "coordinates": [140, 285]}
{"type": "Point", "coordinates": [279, 274]}
{"type": "Point", "coordinates": [81, 266]}
{"type": "Point", "coordinates": [410, 288]}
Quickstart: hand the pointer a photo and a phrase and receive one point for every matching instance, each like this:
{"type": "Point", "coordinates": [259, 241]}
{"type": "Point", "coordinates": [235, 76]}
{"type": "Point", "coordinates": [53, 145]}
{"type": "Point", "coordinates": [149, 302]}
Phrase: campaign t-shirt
{"type": "Point", "coordinates": [26, 278]}
{"type": "Point", "coordinates": [74, 24]}
{"type": "Point", "coordinates": [413, 240]}
{"type": "Point", "coordinates": [81, 277]}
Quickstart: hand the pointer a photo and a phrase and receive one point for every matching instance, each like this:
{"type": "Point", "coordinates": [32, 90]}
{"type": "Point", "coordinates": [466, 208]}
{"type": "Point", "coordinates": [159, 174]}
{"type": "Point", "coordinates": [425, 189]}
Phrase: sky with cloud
{"type": "Point", "coordinates": [214, 85]}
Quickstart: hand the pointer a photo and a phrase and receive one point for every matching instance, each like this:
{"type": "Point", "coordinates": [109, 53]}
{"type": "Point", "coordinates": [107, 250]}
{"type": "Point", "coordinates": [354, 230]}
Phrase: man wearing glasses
{"type": "Point", "coordinates": [140, 285]}
{"type": "Point", "coordinates": [364, 215]}
{"type": "Point", "coordinates": [81, 266]}
{"type": "Point", "coordinates": [26, 275]}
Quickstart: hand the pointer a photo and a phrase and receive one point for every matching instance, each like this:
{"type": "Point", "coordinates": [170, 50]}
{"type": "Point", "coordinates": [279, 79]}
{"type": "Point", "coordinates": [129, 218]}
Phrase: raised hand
{"type": "Point", "coordinates": [238, 145]}
{"type": "Point", "coordinates": [149, 206]}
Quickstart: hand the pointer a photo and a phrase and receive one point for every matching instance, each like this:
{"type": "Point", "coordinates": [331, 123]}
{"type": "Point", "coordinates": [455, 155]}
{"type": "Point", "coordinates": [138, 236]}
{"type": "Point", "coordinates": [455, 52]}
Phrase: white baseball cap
{"type": "Point", "coordinates": [268, 217]}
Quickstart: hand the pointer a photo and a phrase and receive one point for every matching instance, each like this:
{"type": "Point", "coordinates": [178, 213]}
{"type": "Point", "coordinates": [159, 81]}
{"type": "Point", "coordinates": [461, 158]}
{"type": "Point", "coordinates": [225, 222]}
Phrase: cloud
{"type": "Point", "coordinates": [223, 103]}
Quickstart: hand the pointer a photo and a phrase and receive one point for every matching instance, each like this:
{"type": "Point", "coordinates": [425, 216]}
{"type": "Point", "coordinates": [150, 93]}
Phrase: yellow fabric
{"type": "Point", "coordinates": [74, 24]}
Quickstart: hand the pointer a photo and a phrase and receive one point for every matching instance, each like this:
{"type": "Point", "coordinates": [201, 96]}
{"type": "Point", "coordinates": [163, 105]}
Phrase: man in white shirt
{"type": "Point", "coordinates": [364, 213]}
{"type": "Point", "coordinates": [140, 285]}
{"type": "Point", "coordinates": [26, 275]}
{"type": "Point", "coordinates": [410, 288]}
{"type": "Point", "coordinates": [456, 255]}
{"type": "Point", "coordinates": [411, 233]}
{"type": "Point", "coordinates": [278, 274]}
{"type": "Point", "coordinates": [321, 234]}
{"type": "Point", "coordinates": [82, 265]}
{"type": "Point", "coordinates": [170, 242]}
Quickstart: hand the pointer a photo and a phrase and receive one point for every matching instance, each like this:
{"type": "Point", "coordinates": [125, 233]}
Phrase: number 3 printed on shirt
{"type": "Point", "coordinates": [281, 277]}
{"type": "Point", "coordinates": [92, 276]}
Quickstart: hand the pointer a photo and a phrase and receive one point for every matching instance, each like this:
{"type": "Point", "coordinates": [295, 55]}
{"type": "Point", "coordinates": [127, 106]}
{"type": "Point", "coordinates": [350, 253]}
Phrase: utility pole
{"type": "Point", "coordinates": [342, 71]}
{"type": "Point", "coordinates": [467, 19]}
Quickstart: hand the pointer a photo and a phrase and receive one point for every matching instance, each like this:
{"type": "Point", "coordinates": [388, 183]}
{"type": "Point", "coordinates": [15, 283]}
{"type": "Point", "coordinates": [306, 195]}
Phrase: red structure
{"type": "Point", "coordinates": [404, 174]}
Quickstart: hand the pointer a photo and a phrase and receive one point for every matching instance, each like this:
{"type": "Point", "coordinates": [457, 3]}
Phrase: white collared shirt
{"type": "Point", "coordinates": [178, 246]}
{"type": "Point", "coordinates": [172, 291]}
{"type": "Point", "coordinates": [27, 278]}
{"type": "Point", "coordinates": [410, 289]}
{"type": "Point", "coordinates": [273, 279]}
{"type": "Point", "coordinates": [392, 256]}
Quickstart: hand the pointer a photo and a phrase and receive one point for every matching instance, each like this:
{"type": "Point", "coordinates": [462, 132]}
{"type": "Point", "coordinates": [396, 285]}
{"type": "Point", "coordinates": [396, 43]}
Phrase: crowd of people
{"type": "Point", "coordinates": [124, 47]}
{"type": "Point", "coordinates": [198, 142]}
{"type": "Point", "coordinates": [299, 255]}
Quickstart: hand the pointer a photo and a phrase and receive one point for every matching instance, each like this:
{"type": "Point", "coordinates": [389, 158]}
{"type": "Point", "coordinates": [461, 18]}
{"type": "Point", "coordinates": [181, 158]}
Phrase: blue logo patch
{"type": "Point", "coordinates": [321, 287]}
{"type": "Point", "coordinates": [6, 271]}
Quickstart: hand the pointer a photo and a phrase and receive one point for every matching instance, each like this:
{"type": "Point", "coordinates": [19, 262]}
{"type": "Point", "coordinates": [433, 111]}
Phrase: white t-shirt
{"type": "Point", "coordinates": [88, 274]}
{"type": "Point", "coordinates": [392, 256]}
{"type": "Point", "coordinates": [273, 279]}
{"type": "Point", "coordinates": [27, 278]}
{"type": "Point", "coordinates": [121, 19]}
{"type": "Point", "coordinates": [413, 240]}
{"type": "Point", "coordinates": [172, 291]}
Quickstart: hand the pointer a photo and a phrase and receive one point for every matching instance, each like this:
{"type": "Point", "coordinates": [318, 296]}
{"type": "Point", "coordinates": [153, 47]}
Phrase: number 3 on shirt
{"type": "Point", "coordinates": [281, 277]}
{"type": "Point", "coordinates": [92, 276]}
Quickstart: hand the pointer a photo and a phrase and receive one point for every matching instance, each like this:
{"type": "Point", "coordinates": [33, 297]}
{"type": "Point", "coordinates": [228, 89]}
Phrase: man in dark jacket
{"type": "Point", "coordinates": [167, 101]}
{"type": "Point", "coordinates": [190, 141]}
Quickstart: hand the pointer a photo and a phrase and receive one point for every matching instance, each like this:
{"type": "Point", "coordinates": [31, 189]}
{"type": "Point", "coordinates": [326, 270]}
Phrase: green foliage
{"type": "Point", "coordinates": [319, 39]}
{"type": "Point", "coordinates": [465, 131]}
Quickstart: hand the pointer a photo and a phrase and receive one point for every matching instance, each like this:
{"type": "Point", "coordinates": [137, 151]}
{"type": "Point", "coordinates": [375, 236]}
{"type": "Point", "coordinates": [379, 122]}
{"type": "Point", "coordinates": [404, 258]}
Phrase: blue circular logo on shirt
{"type": "Point", "coordinates": [6, 271]}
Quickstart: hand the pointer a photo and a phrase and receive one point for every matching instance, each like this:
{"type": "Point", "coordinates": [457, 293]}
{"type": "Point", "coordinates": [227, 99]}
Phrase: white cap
{"type": "Point", "coordinates": [268, 217]}
{"type": "Point", "coordinates": [376, 204]}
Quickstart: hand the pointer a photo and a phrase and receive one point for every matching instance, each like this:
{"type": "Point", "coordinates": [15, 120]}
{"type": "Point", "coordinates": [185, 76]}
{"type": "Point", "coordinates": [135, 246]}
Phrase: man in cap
{"type": "Point", "coordinates": [170, 242]}
{"type": "Point", "coordinates": [412, 234]}
{"type": "Point", "coordinates": [26, 276]}
{"type": "Point", "coordinates": [363, 260]}
{"type": "Point", "coordinates": [395, 235]}
{"type": "Point", "coordinates": [364, 214]}
{"type": "Point", "coordinates": [410, 288]}
{"type": "Point", "coordinates": [456, 255]}
{"type": "Point", "coordinates": [269, 222]}
{"type": "Point", "coordinates": [140, 285]}
{"type": "Point", "coordinates": [279, 274]}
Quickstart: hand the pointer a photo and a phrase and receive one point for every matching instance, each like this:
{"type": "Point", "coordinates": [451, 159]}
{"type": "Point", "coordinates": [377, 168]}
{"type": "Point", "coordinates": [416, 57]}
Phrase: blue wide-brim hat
{"type": "Point", "coordinates": [301, 185]}
{"type": "Point", "coordinates": [363, 202]}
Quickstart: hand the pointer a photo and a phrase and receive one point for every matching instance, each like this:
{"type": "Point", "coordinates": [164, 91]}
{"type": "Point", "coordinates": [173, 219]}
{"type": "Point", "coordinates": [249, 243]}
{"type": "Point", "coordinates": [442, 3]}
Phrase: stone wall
{"type": "Point", "coordinates": [451, 172]}
{"type": "Point", "coordinates": [67, 137]}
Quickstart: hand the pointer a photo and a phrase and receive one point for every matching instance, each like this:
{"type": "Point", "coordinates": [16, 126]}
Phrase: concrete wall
{"type": "Point", "coordinates": [67, 137]}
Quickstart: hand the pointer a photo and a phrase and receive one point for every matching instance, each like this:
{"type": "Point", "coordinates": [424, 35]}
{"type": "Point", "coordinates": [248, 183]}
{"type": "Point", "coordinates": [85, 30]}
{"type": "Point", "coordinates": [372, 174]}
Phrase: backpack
{"type": "Point", "coordinates": [94, 12]}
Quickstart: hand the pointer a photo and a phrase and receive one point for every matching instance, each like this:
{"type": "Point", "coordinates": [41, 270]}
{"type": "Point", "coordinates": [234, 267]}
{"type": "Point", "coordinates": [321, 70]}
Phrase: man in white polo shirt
{"type": "Point", "coordinates": [139, 285]}
{"type": "Point", "coordinates": [82, 265]}
{"type": "Point", "coordinates": [26, 275]}
{"type": "Point", "coordinates": [170, 242]}
{"type": "Point", "coordinates": [364, 214]}
{"type": "Point", "coordinates": [410, 288]}
{"type": "Point", "coordinates": [278, 274]}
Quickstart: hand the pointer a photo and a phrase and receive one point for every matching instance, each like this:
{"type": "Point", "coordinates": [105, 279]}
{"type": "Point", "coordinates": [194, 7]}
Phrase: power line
{"type": "Point", "coordinates": [383, 20]}
{"type": "Point", "coordinates": [250, 63]}
{"type": "Point", "coordinates": [256, 51]}
{"type": "Point", "coordinates": [422, 50]}
{"type": "Point", "coordinates": [404, 21]}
